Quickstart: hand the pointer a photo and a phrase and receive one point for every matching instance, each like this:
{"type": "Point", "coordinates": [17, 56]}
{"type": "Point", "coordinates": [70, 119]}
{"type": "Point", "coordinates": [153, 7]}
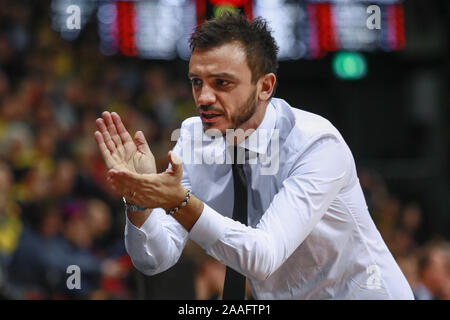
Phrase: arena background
{"type": "Point", "coordinates": [385, 89]}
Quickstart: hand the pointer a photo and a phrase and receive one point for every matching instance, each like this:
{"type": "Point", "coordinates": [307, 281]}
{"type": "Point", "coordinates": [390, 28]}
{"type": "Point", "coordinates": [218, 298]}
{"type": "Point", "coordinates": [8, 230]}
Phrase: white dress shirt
{"type": "Point", "coordinates": [309, 233]}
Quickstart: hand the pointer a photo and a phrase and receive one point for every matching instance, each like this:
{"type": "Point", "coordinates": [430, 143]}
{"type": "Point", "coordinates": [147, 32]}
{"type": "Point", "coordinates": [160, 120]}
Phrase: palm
{"type": "Point", "coordinates": [119, 150]}
{"type": "Point", "coordinates": [136, 161]}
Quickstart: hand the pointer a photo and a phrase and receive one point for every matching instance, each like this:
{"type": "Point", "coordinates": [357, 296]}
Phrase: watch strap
{"type": "Point", "coordinates": [132, 207]}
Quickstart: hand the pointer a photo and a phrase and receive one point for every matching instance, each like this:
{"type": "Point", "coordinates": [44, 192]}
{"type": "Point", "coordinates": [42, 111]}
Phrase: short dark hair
{"type": "Point", "coordinates": [255, 36]}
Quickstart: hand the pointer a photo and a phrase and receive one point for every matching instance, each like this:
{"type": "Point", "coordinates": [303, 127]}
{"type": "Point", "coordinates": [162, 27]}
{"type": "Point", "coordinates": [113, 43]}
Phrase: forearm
{"type": "Point", "coordinates": [154, 245]}
{"type": "Point", "coordinates": [188, 215]}
{"type": "Point", "coordinates": [254, 252]}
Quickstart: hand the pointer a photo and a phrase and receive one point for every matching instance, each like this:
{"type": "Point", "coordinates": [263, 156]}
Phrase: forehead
{"type": "Point", "coordinates": [227, 58]}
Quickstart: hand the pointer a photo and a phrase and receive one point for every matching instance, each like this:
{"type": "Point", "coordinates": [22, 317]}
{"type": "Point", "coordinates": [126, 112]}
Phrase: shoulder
{"type": "Point", "coordinates": [314, 142]}
{"type": "Point", "coordinates": [191, 124]}
{"type": "Point", "coordinates": [311, 125]}
{"type": "Point", "coordinates": [305, 127]}
{"type": "Point", "coordinates": [191, 128]}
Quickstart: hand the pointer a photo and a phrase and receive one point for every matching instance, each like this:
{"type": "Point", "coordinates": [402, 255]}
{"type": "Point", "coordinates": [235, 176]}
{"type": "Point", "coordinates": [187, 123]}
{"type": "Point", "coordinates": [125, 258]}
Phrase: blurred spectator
{"type": "Point", "coordinates": [158, 99]}
{"type": "Point", "coordinates": [411, 218]}
{"type": "Point", "coordinates": [409, 266]}
{"type": "Point", "coordinates": [209, 280]}
{"type": "Point", "coordinates": [63, 181]}
{"type": "Point", "coordinates": [4, 86]}
{"type": "Point", "coordinates": [98, 218]}
{"type": "Point", "coordinates": [51, 242]}
{"type": "Point", "coordinates": [11, 228]}
{"type": "Point", "coordinates": [10, 223]}
{"type": "Point", "coordinates": [434, 273]}
{"type": "Point", "coordinates": [34, 186]}
{"type": "Point", "coordinates": [33, 264]}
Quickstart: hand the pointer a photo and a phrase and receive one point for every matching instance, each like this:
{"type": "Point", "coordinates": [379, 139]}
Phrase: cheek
{"type": "Point", "coordinates": [230, 104]}
{"type": "Point", "coordinates": [195, 95]}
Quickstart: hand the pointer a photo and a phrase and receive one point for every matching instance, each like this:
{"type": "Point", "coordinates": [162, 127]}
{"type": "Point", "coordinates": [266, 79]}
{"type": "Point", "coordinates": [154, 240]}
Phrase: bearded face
{"type": "Point", "coordinates": [210, 115]}
{"type": "Point", "coordinates": [222, 86]}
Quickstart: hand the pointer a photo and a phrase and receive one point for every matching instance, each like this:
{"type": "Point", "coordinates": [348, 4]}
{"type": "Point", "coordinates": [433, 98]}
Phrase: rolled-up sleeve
{"type": "Point", "coordinates": [319, 173]}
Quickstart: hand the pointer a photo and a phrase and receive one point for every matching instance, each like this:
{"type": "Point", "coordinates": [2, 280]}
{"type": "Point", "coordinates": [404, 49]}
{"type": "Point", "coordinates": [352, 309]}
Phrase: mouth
{"type": "Point", "coordinates": [210, 117]}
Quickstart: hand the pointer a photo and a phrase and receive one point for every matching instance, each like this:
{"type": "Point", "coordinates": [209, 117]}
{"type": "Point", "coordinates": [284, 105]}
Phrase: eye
{"type": "Point", "coordinates": [222, 83]}
{"type": "Point", "coordinates": [195, 82]}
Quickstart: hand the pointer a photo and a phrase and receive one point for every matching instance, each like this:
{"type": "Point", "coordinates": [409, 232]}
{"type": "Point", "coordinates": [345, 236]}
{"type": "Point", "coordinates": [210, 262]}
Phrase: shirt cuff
{"type": "Point", "coordinates": [148, 230]}
{"type": "Point", "coordinates": [208, 228]}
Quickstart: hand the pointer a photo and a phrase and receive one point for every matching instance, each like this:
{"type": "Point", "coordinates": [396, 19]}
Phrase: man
{"type": "Point", "coordinates": [292, 219]}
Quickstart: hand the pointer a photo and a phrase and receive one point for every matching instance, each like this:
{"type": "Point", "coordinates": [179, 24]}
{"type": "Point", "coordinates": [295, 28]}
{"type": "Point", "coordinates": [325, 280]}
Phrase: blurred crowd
{"type": "Point", "coordinates": [424, 260]}
{"type": "Point", "coordinates": [56, 209]}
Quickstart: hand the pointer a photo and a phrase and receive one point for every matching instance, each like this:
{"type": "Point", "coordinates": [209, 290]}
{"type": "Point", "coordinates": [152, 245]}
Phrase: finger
{"type": "Point", "coordinates": [141, 143]}
{"type": "Point", "coordinates": [105, 152]}
{"type": "Point", "coordinates": [176, 164]}
{"type": "Point", "coordinates": [106, 137]}
{"type": "Point", "coordinates": [121, 130]}
{"type": "Point", "coordinates": [123, 184]}
{"type": "Point", "coordinates": [112, 129]}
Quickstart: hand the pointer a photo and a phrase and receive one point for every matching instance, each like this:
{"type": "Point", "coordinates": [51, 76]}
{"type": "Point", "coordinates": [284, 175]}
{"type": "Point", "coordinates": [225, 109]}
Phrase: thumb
{"type": "Point", "coordinates": [141, 143]}
{"type": "Point", "coordinates": [176, 165]}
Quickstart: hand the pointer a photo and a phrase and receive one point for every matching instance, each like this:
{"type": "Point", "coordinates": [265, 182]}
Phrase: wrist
{"type": "Point", "coordinates": [132, 207]}
{"type": "Point", "coordinates": [188, 215]}
{"type": "Point", "coordinates": [181, 198]}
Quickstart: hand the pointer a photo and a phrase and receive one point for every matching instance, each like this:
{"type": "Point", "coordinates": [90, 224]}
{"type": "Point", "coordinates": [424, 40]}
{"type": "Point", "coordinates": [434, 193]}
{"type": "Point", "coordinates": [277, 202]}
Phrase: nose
{"type": "Point", "coordinates": [206, 96]}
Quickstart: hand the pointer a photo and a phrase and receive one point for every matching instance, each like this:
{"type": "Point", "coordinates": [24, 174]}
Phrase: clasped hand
{"type": "Point", "coordinates": [132, 169]}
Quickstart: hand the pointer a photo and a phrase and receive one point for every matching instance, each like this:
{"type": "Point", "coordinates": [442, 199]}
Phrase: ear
{"type": "Point", "coordinates": [267, 84]}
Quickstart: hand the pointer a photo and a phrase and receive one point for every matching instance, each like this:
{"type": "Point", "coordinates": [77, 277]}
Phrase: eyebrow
{"type": "Point", "coordinates": [215, 75]}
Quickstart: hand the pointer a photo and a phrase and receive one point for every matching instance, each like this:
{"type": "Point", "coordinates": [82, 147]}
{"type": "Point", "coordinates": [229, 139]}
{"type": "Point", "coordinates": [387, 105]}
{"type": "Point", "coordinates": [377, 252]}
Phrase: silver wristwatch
{"type": "Point", "coordinates": [132, 207]}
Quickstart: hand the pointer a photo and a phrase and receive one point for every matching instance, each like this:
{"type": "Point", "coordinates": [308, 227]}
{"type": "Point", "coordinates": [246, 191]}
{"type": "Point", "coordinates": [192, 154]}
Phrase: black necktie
{"type": "Point", "coordinates": [234, 286]}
